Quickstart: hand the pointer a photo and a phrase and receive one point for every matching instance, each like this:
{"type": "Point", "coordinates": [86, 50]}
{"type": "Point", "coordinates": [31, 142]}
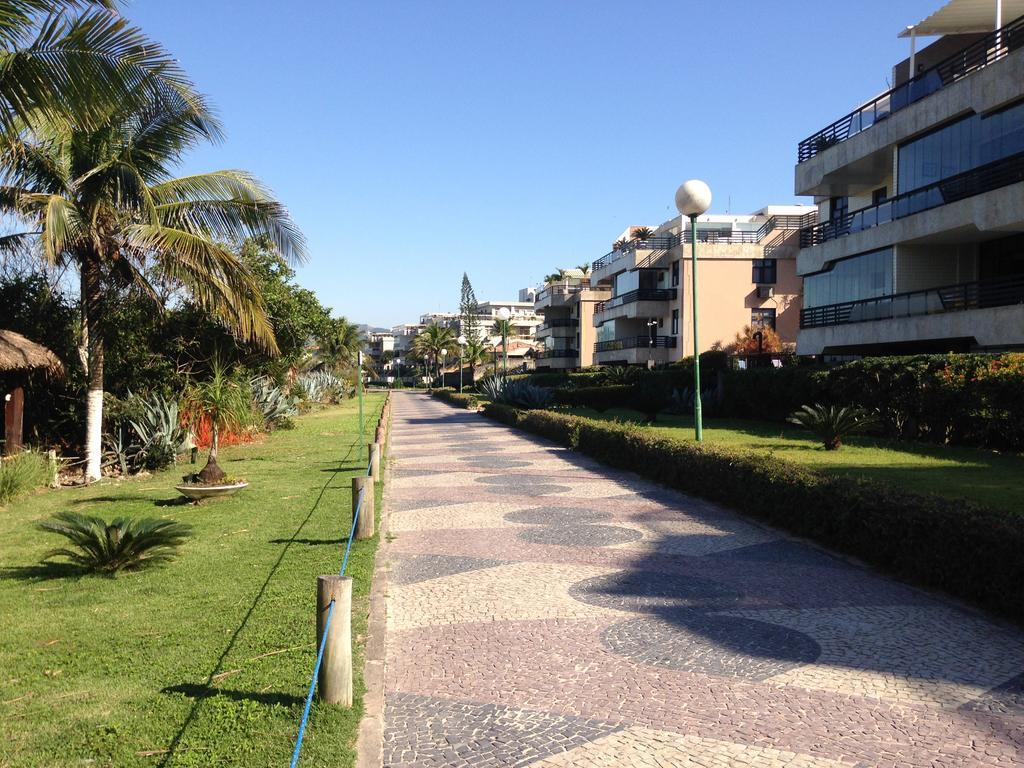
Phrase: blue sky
{"type": "Point", "coordinates": [415, 140]}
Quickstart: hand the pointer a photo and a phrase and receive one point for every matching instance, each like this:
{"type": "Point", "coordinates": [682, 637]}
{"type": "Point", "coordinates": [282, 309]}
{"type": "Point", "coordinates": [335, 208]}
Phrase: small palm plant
{"type": "Point", "coordinates": [227, 403]}
{"type": "Point", "coordinates": [618, 245]}
{"type": "Point", "coordinates": [123, 544]}
{"type": "Point", "coordinates": [642, 233]}
{"type": "Point", "coordinates": [833, 423]}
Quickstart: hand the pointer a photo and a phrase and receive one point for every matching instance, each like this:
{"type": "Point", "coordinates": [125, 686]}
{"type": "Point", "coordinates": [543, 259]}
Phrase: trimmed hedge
{"type": "Point", "coordinates": [967, 550]}
{"type": "Point", "coordinates": [452, 397]}
{"type": "Point", "coordinates": [596, 398]}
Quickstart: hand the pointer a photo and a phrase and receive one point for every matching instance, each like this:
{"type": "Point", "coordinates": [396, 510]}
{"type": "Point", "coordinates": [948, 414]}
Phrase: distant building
{"type": "Point", "coordinates": [746, 275]}
{"type": "Point", "coordinates": [568, 333]}
{"type": "Point", "coordinates": [918, 242]}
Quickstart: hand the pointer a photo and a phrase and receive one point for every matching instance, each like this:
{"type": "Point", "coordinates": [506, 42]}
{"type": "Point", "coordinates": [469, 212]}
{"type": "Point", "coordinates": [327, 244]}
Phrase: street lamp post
{"type": "Point", "coordinates": [440, 373]}
{"type": "Point", "coordinates": [692, 199]}
{"type": "Point", "coordinates": [651, 325]}
{"type": "Point", "coordinates": [504, 314]}
{"type": "Point", "coordinates": [462, 349]}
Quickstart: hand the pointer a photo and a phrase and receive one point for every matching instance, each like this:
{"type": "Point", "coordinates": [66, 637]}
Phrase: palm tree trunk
{"type": "Point", "coordinates": [91, 353]}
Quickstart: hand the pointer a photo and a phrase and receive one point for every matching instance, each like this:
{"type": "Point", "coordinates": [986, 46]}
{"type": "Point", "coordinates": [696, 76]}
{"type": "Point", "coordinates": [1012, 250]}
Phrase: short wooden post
{"type": "Point", "coordinates": [334, 685]}
{"type": "Point", "coordinates": [379, 435]}
{"type": "Point", "coordinates": [365, 524]}
{"type": "Point", "coordinates": [375, 461]}
{"type": "Point", "coordinates": [52, 470]}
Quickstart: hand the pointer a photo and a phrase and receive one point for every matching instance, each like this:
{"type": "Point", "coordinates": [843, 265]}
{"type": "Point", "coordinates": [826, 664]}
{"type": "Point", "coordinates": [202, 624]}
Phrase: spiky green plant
{"type": "Point", "coordinates": [832, 423]}
{"type": "Point", "coordinates": [271, 402]}
{"type": "Point", "coordinates": [21, 473]}
{"type": "Point", "coordinates": [227, 403]}
{"type": "Point", "coordinates": [123, 544]}
{"type": "Point", "coordinates": [161, 435]}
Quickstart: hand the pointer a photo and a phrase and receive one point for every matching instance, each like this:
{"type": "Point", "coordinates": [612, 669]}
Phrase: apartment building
{"type": "Point", "coordinates": [746, 274]}
{"type": "Point", "coordinates": [919, 240]}
{"type": "Point", "coordinates": [567, 331]}
{"type": "Point", "coordinates": [524, 321]}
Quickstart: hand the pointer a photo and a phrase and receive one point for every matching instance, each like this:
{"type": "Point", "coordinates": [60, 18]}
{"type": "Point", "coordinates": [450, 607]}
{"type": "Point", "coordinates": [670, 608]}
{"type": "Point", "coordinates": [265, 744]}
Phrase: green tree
{"type": "Point", "coordinates": [104, 202]}
{"type": "Point", "coordinates": [469, 309]}
{"type": "Point", "coordinates": [227, 403]}
{"type": "Point", "coordinates": [431, 341]}
{"type": "Point", "coordinates": [340, 346]}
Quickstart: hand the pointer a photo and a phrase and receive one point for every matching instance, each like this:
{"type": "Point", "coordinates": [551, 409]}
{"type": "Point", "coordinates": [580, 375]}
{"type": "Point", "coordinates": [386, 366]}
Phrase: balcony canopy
{"type": "Point", "coordinates": [966, 16]}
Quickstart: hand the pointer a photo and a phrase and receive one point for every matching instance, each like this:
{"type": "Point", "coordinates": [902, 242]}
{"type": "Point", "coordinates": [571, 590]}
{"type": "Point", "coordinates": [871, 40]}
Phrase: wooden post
{"type": "Point", "coordinates": [379, 436]}
{"type": "Point", "coordinates": [14, 416]}
{"type": "Point", "coordinates": [52, 470]}
{"type": "Point", "coordinates": [365, 524]}
{"type": "Point", "coordinates": [334, 685]}
{"type": "Point", "coordinates": [375, 461]}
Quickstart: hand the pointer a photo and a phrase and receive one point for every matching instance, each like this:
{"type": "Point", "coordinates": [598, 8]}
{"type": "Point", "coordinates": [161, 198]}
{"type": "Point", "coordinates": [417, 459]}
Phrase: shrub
{"type": "Point", "coordinates": [321, 387]}
{"type": "Point", "coordinates": [161, 435]}
{"type": "Point", "coordinates": [21, 473]}
{"type": "Point", "coordinates": [123, 544]}
{"type": "Point", "coordinates": [272, 403]}
{"type": "Point", "coordinates": [653, 394]}
{"type": "Point", "coordinates": [599, 399]}
{"type": "Point", "coordinates": [461, 400]}
{"type": "Point", "coordinates": [832, 423]}
{"type": "Point", "coordinates": [968, 550]}
{"type": "Point", "coordinates": [545, 379]}
{"type": "Point", "coordinates": [518, 392]}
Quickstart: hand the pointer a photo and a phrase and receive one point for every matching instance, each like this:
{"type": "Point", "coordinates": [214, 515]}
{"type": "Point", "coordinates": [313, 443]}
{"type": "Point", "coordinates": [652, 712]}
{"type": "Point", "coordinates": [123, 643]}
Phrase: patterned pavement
{"type": "Point", "coordinates": [543, 610]}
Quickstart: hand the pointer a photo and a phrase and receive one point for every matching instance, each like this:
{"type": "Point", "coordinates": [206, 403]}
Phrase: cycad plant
{"type": "Point", "coordinates": [123, 544]}
{"type": "Point", "coordinates": [832, 423]}
{"type": "Point", "coordinates": [226, 403]}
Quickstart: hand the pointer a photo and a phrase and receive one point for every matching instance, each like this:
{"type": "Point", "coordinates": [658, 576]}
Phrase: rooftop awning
{"type": "Point", "coordinates": [966, 16]}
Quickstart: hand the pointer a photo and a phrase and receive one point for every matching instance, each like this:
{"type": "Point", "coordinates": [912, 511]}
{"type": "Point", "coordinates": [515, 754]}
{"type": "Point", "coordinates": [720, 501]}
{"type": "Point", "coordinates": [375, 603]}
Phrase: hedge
{"type": "Point", "coordinates": [967, 550]}
{"type": "Point", "coordinates": [969, 399]}
{"type": "Point", "coordinates": [596, 398]}
{"type": "Point", "coordinates": [457, 399]}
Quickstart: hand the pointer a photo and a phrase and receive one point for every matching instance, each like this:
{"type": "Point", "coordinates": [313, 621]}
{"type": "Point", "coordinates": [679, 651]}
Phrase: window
{"type": "Point", "coordinates": [879, 195]}
{"type": "Point", "coordinates": [675, 273]}
{"type": "Point", "coordinates": [762, 318]}
{"type": "Point", "coordinates": [765, 271]}
{"type": "Point", "coordinates": [867, 276]}
{"type": "Point", "coordinates": [838, 208]}
{"type": "Point", "coordinates": [675, 322]}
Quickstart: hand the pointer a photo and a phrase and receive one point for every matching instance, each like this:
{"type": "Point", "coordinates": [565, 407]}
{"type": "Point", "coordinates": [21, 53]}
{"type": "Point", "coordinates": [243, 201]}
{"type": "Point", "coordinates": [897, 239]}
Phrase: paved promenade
{"type": "Point", "coordinates": [543, 610]}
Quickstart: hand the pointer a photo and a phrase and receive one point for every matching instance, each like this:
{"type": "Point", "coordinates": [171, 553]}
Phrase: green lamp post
{"type": "Point", "coordinates": [462, 350]}
{"type": "Point", "coordinates": [504, 314]}
{"type": "Point", "coordinates": [692, 199]}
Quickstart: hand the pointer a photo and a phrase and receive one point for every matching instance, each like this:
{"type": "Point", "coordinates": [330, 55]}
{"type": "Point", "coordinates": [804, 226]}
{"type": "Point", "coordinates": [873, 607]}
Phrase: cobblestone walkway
{"type": "Point", "coordinates": [543, 610]}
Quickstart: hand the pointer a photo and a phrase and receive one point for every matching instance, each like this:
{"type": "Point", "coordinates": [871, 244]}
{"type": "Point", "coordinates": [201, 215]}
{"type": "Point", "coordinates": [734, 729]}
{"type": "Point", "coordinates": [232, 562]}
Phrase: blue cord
{"type": "Point", "coordinates": [312, 686]}
{"type": "Point", "coordinates": [352, 533]}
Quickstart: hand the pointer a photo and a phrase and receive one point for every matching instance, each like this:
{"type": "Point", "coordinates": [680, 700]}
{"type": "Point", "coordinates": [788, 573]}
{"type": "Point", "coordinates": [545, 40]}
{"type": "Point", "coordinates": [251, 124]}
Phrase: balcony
{"type": "Point", "coordinates": [965, 62]}
{"type": "Point", "coordinates": [636, 342]}
{"type": "Point", "coordinates": [641, 303]}
{"type": "Point", "coordinates": [986, 178]}
{"type": "Point", "coordinates": [982, 294]}
{"type": "Point", "coordinates": [559, 327]}
{"type": "Point", "coordinates": [641, 294]}
{"type": "Point", "coordinates": [635, 350]}
{"type": "Point", "coordinates": [558, 354]}
{"type": "Point", "coordinates": [556, 294]}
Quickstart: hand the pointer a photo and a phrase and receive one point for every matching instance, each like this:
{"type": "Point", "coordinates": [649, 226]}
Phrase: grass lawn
{"type": "Point", "coordinates": [983, 476]}
{"type": "Point", "coordinates": [202, 662]}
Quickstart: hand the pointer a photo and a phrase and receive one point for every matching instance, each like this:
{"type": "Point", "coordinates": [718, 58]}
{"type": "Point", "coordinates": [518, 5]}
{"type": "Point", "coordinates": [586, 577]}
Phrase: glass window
{"type": "Point", "coordinates": [675, 322]}
{"type": "Point", "coordinates": [675, 273]}
{"type": "Point", "coordinates": [763, 318]}
{"type": "Point", "coordinates": [862, 277]}
{"type": "Point", "coordinates": [765, 271]}
{"type": "Point", "coordinates": [960, 147]}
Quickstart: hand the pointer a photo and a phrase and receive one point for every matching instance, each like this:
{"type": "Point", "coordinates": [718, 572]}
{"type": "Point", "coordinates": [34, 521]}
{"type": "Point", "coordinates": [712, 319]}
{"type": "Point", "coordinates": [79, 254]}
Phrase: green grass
{"type": "Point", "coordinates": [983, 476]}
{"type": "Point", "coordinates": [202, 662]}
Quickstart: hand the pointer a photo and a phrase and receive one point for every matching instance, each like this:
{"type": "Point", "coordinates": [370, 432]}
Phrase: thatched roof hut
{"type": "Point", "coordinates": [18, 353]}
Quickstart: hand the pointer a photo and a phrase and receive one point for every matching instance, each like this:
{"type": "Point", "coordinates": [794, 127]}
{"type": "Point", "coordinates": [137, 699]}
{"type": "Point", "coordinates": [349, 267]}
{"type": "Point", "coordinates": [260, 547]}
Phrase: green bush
{"type": "Point", "coordinates": [123, 544]}
{"type": "Point", "coordinates": [21, 473]}
{"type": "Point", "coordinates": [969, 551]}
{"type": "Point", "coordinates": [599, 399]}
{"type": "Point", "coordinates": [966, 399]}
{"type": "Point", "coordinates": [450, 396]}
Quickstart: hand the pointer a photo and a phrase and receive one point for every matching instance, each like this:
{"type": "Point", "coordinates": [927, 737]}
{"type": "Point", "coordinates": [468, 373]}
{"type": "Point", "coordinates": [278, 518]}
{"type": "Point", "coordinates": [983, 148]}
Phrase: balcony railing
{"type": "Point", "coordinates": [642, 294]}
{"type": "Point", "coordinates": [998, 292]}
{"type": "Point", "coordinates": [636, 342]}
{"type": "Point", "coordinates": [986, 178]}
{"type": "Point", "coordinates": [981, 53]}
{"type": "Point", "coordinates": [559, 322]}
{"type": "Point", "coordinates": [561, 289]}
{"type": "Point", "coordinates": [557, 354]}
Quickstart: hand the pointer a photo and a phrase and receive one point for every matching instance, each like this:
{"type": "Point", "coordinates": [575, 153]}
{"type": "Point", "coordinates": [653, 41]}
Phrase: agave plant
{"type": "Point", "coordinates": [526, 395]}
{"type": "Point", "coordinates": [321, 387]}
{"type": "Point", "coordinates": [272, 403]}
{"type": "Point", "coordinates": [161, 435]}
{"type": "Point", "coordinates": [493, 388]}
{"type": "Point", "coordinates": [832, 423]}
{"type": "Point", "coordinates": [123, 544]}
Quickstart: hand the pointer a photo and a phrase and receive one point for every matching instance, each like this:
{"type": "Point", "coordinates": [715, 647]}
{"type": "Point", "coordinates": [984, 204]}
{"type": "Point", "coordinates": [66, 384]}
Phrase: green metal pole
{"type": "Point", "coordinates": [698, 420]}
{"type": "Point", "coordinates": [504, 347]}
{"type": "Point", "coordinates": [460, 369]}
{"type": "Point", "coordinates": [359, 389]}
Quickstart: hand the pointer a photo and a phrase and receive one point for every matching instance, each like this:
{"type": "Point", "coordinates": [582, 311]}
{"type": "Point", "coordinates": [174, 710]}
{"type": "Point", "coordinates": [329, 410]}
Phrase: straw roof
{"type": "Point", "coordinates": [20, 354]}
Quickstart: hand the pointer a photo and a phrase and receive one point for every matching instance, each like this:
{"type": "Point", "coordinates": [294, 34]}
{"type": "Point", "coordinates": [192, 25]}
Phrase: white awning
{"type": "Point", "coordinates": [966, 16]}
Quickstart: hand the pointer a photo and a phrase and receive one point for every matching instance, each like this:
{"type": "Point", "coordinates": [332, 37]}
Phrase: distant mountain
{"type": "Point", "coordinates": [368, 329]}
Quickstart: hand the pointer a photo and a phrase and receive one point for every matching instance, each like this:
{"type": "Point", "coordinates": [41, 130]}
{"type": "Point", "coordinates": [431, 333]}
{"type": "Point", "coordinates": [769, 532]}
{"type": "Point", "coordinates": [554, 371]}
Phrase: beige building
{"type": "Point", "coordinates": [918, 244]}
{"type": "Point", "coordinates": [567, 332]}
{"type": "Point", "coordinates": [746, 275]}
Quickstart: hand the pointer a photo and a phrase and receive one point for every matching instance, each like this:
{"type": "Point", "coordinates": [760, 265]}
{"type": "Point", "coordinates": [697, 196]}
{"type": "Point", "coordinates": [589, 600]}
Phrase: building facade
{"type": "Point", "coordinates": [567, 331]}
{"type": "Point", "coordinates": [746, 275]}
{"type": "Point", "coordinates": [918, 244]}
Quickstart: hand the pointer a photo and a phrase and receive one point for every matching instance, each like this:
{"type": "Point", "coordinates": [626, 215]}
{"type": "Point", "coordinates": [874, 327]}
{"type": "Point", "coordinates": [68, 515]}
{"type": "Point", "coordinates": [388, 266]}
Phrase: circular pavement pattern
{"type": "Point", "coordinates": [580, 535]}
{"type": "Point", "coordinates": [556, 516]}
{"type": "Point", "coordinates": [520, 485]}
{"type": "Point", "coordinates": [494, 462]}
{"type": "Point", "coordinates": [650, 592]}
{"type": "Point", "coordinates": [725, 646]}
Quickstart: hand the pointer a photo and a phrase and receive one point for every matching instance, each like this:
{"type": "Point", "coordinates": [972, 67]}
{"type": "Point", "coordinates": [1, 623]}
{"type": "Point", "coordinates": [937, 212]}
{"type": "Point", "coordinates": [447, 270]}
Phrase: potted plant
{"type": "Point", "coordinates": [225, 404]}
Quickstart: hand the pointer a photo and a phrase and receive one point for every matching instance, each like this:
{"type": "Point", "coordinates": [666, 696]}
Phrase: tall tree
{"type": "Point", "coordinates": [468, 310]}
{"type": "Point", "coordinates": [103, 201]}
{"type": "Point", "coordinates": [340, 346]}
{"type": "Point", "coordinates": [432, 340]}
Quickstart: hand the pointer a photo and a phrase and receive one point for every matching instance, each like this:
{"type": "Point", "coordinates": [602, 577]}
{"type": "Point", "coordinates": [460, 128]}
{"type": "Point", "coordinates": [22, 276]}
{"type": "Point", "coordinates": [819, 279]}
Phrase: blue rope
{"type": "Point", "coordinates": [327, 626]}
{"type": "Point", "coordinates": [312, 686]}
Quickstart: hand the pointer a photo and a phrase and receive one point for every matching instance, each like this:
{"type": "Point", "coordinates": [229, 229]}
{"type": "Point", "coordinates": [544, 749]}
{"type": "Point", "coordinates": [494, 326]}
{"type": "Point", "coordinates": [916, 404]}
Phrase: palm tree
{"type": "Point", "coordinates": [642, 233]}
{"type": "Point", "coordinates": [429, 342]}
{"type": "Point", "coordinates": [619, 244]}
{"type": "Point", "coordinates": [555, 277]}
{"type": "Point", "coordinates": [584, 268]}
{"type": "Point", "coordinates": [103, 200]}
{"type": "Point", "coordinates": [74, 60]}
{"type": "Point", "coordinates": [341, 347]}
{"type": "Point", "coordinates": [227, 403]}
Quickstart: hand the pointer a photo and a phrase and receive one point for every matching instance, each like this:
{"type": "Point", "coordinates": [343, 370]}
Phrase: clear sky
{"type": "Point", "coordinates": [417, 139]}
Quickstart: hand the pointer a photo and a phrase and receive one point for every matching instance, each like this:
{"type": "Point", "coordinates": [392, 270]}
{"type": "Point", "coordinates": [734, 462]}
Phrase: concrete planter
{"type": "Point", "coordinates": [200, 492]}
